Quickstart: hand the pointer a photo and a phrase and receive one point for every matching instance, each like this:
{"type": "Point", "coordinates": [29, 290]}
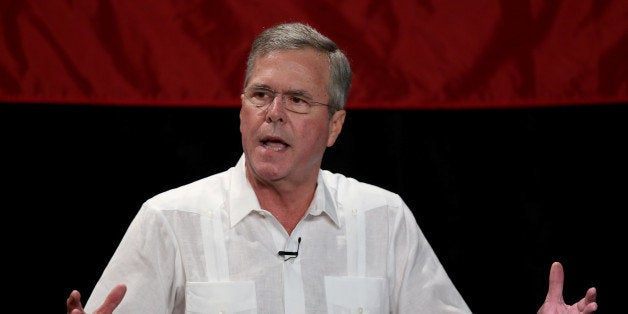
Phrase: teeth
{"type": "Point", "coordinates": [274, 147]}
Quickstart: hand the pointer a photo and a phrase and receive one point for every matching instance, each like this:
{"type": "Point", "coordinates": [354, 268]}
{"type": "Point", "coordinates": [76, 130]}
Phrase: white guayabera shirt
{"type": "Point", "coordinates": [208, 247]}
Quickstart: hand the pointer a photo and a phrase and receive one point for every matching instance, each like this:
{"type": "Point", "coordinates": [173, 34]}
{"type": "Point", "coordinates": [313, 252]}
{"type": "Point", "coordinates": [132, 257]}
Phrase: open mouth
{"type": "Point", "coordinates": [274, 144]}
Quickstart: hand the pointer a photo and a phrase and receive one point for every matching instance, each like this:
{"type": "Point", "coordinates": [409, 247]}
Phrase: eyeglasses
{"type": "Point", "coordinates": [295, 101]}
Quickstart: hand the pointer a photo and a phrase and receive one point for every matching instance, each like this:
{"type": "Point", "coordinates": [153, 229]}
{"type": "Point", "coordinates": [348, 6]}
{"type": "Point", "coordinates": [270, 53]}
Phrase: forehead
{"type": "Point", "coordinates": [302, 69]}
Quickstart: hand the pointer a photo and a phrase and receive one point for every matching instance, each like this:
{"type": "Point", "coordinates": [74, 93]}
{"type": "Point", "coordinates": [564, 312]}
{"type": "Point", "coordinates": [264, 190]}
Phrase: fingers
{"type": "Point", "coordinates": [73, 303]}
{"type": "Point", "coordinates": [113, 300]}
{"type": "Point", "coordinates": [590, 308]}
{"type": "Point", "coordinates": [591, 295]}
{"type": "Point", "coordinates": [556, 280]}
{"type": "Point", "coordinates": [587, 304]}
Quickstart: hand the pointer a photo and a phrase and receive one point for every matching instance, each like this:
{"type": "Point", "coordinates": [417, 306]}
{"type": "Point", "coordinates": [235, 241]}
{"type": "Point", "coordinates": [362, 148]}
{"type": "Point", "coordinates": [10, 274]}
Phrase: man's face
{"type": "Point", "coordinates": [281, 145]}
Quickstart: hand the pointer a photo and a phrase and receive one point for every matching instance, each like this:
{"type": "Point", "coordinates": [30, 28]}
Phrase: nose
{"type": "Point", "coordinates": [276, 111]}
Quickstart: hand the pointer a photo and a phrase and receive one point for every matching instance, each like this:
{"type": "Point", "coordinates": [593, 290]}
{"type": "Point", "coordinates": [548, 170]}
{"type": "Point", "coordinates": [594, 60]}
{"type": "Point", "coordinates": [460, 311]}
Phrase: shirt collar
{"type": "Point", "coordinates": [323, 201]}
{"type": "Point", "coordinates": [242, 198]}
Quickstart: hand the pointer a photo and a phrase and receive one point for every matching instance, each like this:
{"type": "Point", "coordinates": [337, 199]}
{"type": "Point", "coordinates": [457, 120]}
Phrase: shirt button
{"type": "Point", "coordinates": [360, 310]}
{"type": "Point", "coordinates": [355, 211]}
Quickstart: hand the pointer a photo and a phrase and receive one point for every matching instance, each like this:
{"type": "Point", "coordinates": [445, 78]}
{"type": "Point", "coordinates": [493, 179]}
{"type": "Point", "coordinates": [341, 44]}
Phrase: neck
{"type": "Point", "coordinates": [287, 202]}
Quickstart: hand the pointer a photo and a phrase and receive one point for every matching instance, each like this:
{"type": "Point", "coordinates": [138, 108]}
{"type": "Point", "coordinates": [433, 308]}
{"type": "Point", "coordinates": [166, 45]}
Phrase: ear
{"type": "Point", "coordinates": [241, 108]}
{"type": "Point", "coordinates": [335, 126]}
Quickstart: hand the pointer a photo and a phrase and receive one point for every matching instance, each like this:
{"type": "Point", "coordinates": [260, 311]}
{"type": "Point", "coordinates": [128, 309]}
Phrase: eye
{"type": "Point", "coordinates": [298, 100]}
{"type": "Point", "coordinates": [261, 94]}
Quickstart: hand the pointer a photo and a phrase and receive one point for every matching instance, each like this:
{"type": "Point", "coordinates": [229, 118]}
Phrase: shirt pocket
{"type": "Point", "coordinates": [356, 295]}
{"type": "Point", "coordinates": [220, 297]}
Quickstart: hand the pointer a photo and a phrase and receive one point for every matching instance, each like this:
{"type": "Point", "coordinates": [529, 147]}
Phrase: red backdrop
{"type": "Point", "coordinates": [405, 54]}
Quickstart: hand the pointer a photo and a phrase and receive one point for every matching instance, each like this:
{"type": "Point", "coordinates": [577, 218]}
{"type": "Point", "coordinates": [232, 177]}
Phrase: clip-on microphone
{"type": "Point", "coordinates": [294, 254]}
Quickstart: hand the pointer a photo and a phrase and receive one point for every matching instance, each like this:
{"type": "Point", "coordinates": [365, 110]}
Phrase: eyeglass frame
{"type": "Point", "coordinates": [301, 95]}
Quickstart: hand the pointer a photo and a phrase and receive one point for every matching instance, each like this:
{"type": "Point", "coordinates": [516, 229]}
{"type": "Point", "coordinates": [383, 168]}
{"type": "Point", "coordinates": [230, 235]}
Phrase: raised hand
{"type": "Point", "coordinates": [554, 302]}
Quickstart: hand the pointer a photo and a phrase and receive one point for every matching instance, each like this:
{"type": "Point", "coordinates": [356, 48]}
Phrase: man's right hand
{"type": "Point", "coordinates": [74, 306]}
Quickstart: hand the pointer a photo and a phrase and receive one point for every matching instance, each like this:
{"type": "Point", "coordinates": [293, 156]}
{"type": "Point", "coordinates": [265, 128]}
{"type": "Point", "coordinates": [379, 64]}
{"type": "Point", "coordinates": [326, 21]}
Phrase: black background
{"type": "Point", "coordinates": [500, 194]}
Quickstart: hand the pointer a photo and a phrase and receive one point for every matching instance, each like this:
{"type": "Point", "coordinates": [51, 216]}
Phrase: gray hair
{"type": "Point", "coordinates": [299, 36]}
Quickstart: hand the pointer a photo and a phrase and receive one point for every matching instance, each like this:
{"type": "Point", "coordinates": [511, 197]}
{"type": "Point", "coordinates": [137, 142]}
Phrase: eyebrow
{"type": "Point", "coordinates": [294, 92]}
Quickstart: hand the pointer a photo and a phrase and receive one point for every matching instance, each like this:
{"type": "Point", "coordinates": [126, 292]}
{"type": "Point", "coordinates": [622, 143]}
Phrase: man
{"type": "Point", "coordinates": [275, 233]}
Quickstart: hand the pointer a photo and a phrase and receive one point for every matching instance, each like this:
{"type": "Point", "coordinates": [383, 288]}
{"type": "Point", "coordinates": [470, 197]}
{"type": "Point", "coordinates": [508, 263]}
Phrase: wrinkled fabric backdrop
{"type": "Point", "coordinates": [502, 124]}
{"type": "Point", "coordinates": [406, 54]}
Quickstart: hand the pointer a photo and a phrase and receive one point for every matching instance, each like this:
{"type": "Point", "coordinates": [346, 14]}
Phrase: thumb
{"type": "Point", "coordinates": [556, 280]}
{"type": "Point", "coordinates": [113, 300]}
